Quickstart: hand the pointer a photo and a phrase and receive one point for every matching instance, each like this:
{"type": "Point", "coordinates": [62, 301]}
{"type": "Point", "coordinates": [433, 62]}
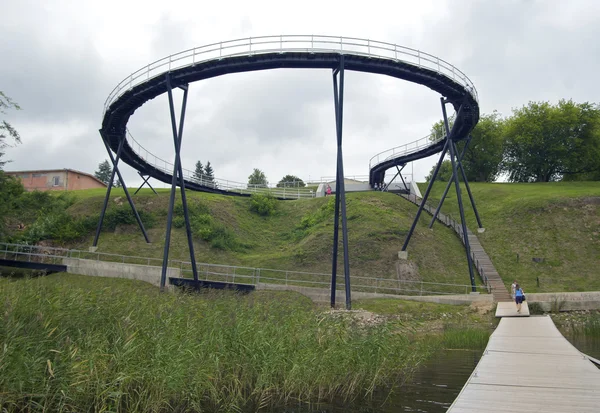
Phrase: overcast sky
{"type": "Point", "coordinates": [61, 59]}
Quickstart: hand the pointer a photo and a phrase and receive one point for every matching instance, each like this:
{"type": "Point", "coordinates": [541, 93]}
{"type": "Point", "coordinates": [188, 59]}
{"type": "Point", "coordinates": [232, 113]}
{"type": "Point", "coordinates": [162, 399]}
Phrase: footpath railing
{"type": "Point", "coordinates": [457, 227]}
{"type": "Point", "coordinates": [223, 184]}
{"type": "Point", "coordinates": [405, 149]}
{"type": "Point", "coordinates": [238, 274]}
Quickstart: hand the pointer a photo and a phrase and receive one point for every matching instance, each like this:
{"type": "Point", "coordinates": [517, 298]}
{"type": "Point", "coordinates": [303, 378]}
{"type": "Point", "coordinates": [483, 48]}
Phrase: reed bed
{"type": "Point", "coordinates": [71, 344]}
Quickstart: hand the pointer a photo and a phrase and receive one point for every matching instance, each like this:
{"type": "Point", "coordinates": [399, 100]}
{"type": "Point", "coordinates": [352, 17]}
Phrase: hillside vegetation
{"type": "Point", "coordinates": [556, 223]}
{"type": "Point", "coordinates": [297, 235]}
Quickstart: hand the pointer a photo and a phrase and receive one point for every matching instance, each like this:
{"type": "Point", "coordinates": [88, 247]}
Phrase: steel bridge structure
{"type": "Point", "coordinates": [337, 54]}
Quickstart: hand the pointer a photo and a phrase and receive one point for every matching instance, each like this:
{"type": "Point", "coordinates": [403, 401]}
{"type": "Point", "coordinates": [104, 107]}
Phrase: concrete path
{"type": "Point", "coordinates": [528, 366]}
{"type": "Point", "coordinates": [509, 309]}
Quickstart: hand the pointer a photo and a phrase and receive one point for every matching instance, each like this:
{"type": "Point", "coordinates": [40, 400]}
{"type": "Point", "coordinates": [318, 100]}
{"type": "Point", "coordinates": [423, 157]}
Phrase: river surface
{"type": "Point", "coordinates": [432, 388]}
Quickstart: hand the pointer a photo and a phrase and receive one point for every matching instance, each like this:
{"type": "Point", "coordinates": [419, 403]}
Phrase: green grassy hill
{"type": "Point", "coordinates": [298, 236]}
{"type": "Point", "coordinates": [558, 222]}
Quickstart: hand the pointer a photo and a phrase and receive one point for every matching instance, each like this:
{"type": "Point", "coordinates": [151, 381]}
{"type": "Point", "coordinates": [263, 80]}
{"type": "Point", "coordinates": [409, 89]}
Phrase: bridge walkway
{"type": "Point", "coordinates": [528, 366]}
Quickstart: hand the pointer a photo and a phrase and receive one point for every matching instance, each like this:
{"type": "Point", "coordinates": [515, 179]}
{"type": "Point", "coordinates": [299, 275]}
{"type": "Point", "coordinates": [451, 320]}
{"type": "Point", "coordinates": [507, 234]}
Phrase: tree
{"type": "Point", "coordinates": [257, 179]}
{"type": "Point", "coordinates": [6, 129]}
{"type": "Point", "coordinates": [444, 173]}
{"type": "Point", "coordinates": [210, 178]}
{"type": "Point", "coordinates": [291, 180]}
{"type": "Point", "coordinates": [104, 172]}
{"type": "Point", "coordinates": [199, 172]}
{"type": "Point", "coordinates": [547, 142]}
{"type": "Point", "coordinates": [482, 161]}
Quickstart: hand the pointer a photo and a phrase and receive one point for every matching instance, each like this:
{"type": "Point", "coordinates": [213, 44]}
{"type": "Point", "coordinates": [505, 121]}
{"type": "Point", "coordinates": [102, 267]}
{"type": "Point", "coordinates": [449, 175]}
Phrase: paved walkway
{"type": "Point", "coordinates": [528, 366]}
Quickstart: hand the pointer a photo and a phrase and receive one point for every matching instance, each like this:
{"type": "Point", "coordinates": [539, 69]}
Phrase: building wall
{"type": "Point", "coordinates": [43, 181]}
{"type": "Point", "coordinates": [77, 181]}
{"type": "Point", "coordinates": [58, 180]}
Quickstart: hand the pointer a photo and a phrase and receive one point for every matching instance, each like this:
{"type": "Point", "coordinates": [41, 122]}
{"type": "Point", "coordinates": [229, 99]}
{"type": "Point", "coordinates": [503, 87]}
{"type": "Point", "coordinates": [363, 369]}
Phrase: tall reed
{"type": "Point", "coordinates": [71, 343]}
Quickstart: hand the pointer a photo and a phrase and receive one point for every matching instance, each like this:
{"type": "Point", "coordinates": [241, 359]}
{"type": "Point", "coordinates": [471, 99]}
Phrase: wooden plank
{"type": "Point", "coordinates": [528, 366]}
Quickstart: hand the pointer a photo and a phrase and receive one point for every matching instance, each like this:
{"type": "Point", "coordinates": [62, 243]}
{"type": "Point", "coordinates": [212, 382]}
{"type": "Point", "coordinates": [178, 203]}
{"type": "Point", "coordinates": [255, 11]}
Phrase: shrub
{"type": "Point", "coordinates": [263, 204]}
{"type": "Point", "coordinates": [178, 222]}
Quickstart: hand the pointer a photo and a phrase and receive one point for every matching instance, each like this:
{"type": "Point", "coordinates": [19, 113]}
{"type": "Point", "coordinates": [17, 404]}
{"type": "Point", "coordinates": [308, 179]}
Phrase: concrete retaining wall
{"type": "Point", "coordinates": [146, 273]}
{"type": "Point", "coordinates": [566, 301]}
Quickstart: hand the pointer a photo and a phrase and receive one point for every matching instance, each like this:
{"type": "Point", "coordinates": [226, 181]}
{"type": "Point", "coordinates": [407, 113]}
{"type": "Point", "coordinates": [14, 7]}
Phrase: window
{"type": "Point", "coordinates": [24, 176]}
{"type": "Point", "coordinates": [56, 180]}
{"type": "Point", "coordinates": [38, 175]}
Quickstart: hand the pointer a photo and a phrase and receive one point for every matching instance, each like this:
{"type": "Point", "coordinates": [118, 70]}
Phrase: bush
{"type": "Point", "coordinates": [263, 204]}
{"type": "Point", "coordinates": [178, 222]}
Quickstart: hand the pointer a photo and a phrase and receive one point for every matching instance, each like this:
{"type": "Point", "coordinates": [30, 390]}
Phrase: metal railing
{"type": "Point", "coordinates": [405, 149]}
{"type": "Point", "coordinates": [447, 220]}
{"type": "Point", "coordinates": [238, 274]}
{"type": "Point", "coordinates": [232, 186]}
{"type": "Point", "coordinates": [291, 43]}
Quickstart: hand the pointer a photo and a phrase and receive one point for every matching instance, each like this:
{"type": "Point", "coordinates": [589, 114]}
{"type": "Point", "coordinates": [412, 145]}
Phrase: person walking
{"type": "Point", "coordinates": [519, 296]}
{"type": "Point", "coordinates": [328, 192]}
{"type": "Point", "coordinates": [513, 289]}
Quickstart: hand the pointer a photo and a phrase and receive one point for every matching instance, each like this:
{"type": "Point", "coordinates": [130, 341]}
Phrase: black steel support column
{"type": "Point", "coordinates": [459, 198]}
{"type": "Point", "coordinates": [145, 182]}
{"type": "Point", "coordinates": [439, 207]}
{"type": "Point", "coordinates": [340, 191]}
{"type": "Point", "coordinates": [460, 166]}
{"type": "Point", "coordinates": [116, 169]}
{"type": "Point", "coordinates": [108, 188]}
{"type": "Point", "coordinates": [462, 170]}
{"type": "Point", "coordinates": [177, 171]}
{"type": "Point", "coordinates": [424, 200]}
{"type": "Point", "coordinates": [399, 173]}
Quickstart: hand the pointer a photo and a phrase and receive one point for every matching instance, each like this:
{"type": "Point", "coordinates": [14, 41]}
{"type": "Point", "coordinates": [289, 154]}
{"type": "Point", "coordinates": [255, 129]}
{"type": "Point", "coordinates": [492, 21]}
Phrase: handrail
{"type": "Point", "coordinates": [216, 183]}
{"type": "Point", "coordinates": [290, 43]}
{"type": "Point", "coordinates": [218, 272]}
{"type": "Point", "coordinates": [405, 149]}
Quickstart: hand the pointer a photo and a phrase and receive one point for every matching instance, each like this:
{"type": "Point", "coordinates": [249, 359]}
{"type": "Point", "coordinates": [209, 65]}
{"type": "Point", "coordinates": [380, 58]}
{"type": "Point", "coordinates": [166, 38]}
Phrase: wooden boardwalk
{"type": "Point", "coordinates": [528, 366]}
{"type": "Point", "coordinates": [481, 260]}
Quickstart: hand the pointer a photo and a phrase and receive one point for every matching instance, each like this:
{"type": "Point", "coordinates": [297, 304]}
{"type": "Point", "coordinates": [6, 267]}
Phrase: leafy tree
{"type": "Point", "coordinates": [257, 179]}
{"type": "Point", "coordinates": [547, 142]}
{"type": "Point", "coordinates": [291, 180]}
{"type": "Point", "coordinates": [10, 189]}
{"type": "Point", "coordinates": [199, 172]}
{"type": "Point", "coordinates": [6, 129]}
{"type": "Point", "coordinates": [483, 160]}
{"type": "Point", "coordinates": [444, 173]}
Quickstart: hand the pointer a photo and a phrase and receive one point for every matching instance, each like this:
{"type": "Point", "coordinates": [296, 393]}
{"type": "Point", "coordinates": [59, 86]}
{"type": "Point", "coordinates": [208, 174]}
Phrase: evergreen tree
{"type": "Point", "coordinates": [210, 177]}
{"type": "Point", "coordinates": [104, 172]}
{"type": "Point", "coordinates": [199, 172]}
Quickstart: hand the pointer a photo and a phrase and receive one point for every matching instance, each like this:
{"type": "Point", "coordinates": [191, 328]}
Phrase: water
{"type": "Point", "coordinates": [432, 389]}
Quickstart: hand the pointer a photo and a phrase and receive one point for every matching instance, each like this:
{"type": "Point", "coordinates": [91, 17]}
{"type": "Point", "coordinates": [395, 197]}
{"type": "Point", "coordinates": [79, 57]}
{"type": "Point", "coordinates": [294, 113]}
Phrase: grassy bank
{"type": "Point", "coordinates": [73, 343]}
{"type": "Point", "coordinates": [297, 236]}
{"type": "Point", "coordinates": [557, 223]}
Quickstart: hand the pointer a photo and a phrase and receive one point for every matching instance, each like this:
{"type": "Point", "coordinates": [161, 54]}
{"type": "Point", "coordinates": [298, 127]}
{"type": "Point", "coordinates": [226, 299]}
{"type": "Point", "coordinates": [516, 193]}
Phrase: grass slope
{"type": "Point", "coordinates": [297, 237]}
{"type": "Point", "coordinates": [559, 222]}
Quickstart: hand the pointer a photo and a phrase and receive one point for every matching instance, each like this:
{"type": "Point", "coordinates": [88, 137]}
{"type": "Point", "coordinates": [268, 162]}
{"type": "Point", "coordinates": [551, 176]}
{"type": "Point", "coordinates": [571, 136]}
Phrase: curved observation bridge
{"type": "Point", "coordinates": [272, 52]}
